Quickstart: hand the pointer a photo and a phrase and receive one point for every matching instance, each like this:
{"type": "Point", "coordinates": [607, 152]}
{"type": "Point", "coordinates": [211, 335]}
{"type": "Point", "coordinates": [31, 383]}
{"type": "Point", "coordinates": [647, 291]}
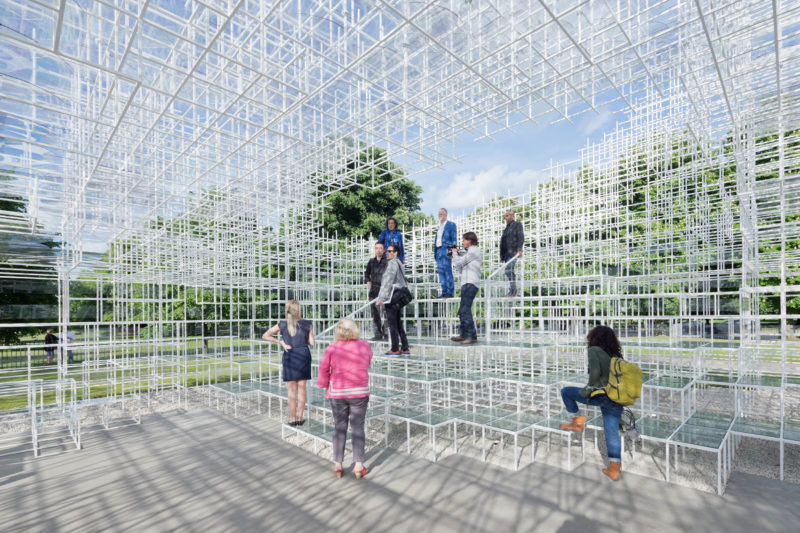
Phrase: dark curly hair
{"type": "Point", "coordinates": [392, 219]}
{"type": "Point", "coordinates": [605, 338]}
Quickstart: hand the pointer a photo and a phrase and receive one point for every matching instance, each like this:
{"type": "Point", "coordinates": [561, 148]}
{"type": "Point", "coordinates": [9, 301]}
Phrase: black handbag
{"type": "Point", "coordinates": [402, 297]}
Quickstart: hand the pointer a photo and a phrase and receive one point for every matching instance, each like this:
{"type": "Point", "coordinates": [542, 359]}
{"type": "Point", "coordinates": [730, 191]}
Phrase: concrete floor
{"type": "Point", "coordinates": [204, 471]}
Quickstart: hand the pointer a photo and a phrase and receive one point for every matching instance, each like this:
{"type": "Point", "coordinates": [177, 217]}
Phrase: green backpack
{"type": "Point", "coordinates": [624, 382]}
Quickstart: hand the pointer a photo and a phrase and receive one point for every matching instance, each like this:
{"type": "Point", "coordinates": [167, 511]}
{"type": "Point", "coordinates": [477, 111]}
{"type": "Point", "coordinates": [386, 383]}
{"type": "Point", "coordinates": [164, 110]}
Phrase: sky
{"type": "Point", "coordinates": [509, 163]}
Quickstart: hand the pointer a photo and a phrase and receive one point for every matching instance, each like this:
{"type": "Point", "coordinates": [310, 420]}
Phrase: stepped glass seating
{"type": "Point", "coordinates": [551, 425]}
{"type": "Point", "coordinates": [102, 392]}
{"type": "Point", "coordinates": [414, 412]}
{"type": "Point", "coordinates": [379, 401]}
{"type": "Point", "coordinates": [210, 369]}
{"type": "Point", "coordinates": [232, 391]}
{"type": "Point", "coordinates": [514, 423]}
{"type": "Point", "coordinates": [272, 390]}
{"type": "Point", "coordinates": [706, 431]}
{"type": "Point", "coordinates": [170, 373]}
{"type": "Point", "coordinates": [54, 415]}
{"type": "Point", "coordinates": [750, 392]}
{"type": "Point", "coordinates": [16, 422]}
{"type": "Point", "coordinates": [320, 431]}
{"type": "Point", "coordinates": [658, 428]}
{"type": "Point", "coordinates": [657, 386]}
{"type": "Point", "coordinates": [791, 431]}
{"type": "Point", "coordinates": [319, 424]}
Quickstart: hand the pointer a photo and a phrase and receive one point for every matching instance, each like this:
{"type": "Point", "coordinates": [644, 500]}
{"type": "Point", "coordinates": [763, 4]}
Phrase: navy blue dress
{"type": "Point", "coordinates": [297, 361]}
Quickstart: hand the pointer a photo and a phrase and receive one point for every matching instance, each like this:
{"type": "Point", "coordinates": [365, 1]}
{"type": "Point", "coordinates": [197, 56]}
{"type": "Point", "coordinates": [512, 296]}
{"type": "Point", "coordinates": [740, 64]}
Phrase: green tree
{"type": "Point", "coordinates": [380, 191]}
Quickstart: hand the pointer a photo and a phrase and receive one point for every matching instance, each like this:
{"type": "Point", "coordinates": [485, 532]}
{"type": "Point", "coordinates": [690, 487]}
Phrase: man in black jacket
{"type": "Point", "coordinates": [373, 275]}
{"type": "Point", "coordinates": [510, 246]}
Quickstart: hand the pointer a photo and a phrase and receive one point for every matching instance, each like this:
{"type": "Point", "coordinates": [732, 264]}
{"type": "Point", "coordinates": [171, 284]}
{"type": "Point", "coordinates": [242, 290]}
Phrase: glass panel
{"type": "Point", "coordinates": [709, 419]}
{"type": "Point", "coordinates": [760, 381]}
{"type": "Point", "coordinates": [700, 436]}
{"type": "Point", "coordinates": [791, 430]}
{"type": "Point", "coordinates": [754, 426]}
{"type": "Point", "coordinates": [669, 382]}
{"type": "Point", "coordinates": [405, 412]}
{"type": "Point", "coordinates": [433, 419]}
{"type": "Point", "coordinates": [657, 427]}
{"type": "Point", "coordinates": [516, 422]}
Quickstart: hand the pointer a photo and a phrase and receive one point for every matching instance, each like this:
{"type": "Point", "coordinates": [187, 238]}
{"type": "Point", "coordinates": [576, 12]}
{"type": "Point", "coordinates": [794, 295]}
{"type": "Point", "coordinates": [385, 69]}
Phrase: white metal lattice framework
{"type": "Point", "coordinates": [194, 143]}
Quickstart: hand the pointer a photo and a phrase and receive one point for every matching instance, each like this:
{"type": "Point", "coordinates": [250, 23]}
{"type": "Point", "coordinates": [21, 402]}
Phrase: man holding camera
{"type": "Point", "coordinates": [445, 238]}
{"type": "Point", "coordinates": [468, 263]}
{"type": "Point", "coordinates": [375, 269]}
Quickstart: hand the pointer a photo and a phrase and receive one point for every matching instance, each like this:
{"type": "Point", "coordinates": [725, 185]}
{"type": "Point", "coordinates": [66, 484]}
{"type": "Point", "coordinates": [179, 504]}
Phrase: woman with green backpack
{"type": "Point", "coordinates": [603, 346]}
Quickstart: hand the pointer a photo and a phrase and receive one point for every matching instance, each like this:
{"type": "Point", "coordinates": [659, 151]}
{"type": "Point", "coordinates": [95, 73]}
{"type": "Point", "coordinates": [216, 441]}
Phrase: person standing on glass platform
{"type": "Point", "coordinates": [469, 264]}
{"type": "Point", "coordinates": [297, 336]}
{"type": "Point", "coordinates": [510, 247]}
{"type": "Point", "coordinates": [373, 275]}
{"type": "Point", "coordinates": [445, 238]}
{"type": "Point", "coordinates": [394, 279]}
{"type": "Point", "coordinates": [344, 373]}
{"type": "Point", "coordinates": [391, 235]}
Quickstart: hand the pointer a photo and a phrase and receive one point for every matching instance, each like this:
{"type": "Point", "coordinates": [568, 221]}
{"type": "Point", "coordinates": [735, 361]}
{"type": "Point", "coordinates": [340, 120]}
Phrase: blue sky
{"type": "Point", "coordinates": [510, 162]}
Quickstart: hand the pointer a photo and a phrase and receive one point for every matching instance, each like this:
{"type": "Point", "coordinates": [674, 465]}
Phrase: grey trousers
{"type": "Point", "coordinates": [354, 410]}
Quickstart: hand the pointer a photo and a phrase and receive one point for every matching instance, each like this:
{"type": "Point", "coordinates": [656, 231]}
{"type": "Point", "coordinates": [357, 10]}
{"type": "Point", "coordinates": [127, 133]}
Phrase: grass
{"type": "Point", "coordinates": [198, 374]}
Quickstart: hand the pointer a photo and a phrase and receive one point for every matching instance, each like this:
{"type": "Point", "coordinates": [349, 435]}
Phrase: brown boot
{"type": "Point", "coordinates": [612, 471]}
{"type": "Point", "coordinates": [576, 425]}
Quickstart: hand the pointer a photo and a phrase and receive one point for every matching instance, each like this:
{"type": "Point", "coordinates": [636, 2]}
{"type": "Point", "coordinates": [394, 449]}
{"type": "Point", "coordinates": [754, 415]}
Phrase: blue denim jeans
{"type": "Point", "coordinates": [510, 274]}
{"type": "Point", "coordinates": [445, 267]}
{"type": "Point", "coordinates": [611, 411]}
{"type": "Point", "coordinates": [468, 292]}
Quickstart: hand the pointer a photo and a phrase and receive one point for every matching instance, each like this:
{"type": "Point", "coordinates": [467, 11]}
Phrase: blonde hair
{"type": "Point", "coordinates": [293, 316]}
{"type": "Point", "coordinates": [346, 330]}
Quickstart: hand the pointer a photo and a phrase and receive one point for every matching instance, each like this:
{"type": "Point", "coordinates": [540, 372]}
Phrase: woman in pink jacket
{"type": "Point", "coordinates": [344, 372]}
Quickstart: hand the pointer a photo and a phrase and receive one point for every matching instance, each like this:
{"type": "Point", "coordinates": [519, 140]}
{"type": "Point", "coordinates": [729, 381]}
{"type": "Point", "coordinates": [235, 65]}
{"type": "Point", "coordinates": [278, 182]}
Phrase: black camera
{"type": "Point", "coordinates": [455, 249]}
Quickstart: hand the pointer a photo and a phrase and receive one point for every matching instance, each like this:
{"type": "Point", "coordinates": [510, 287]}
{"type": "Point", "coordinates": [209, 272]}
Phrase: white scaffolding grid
{"type": "Point", "coordinates": [180, 154]}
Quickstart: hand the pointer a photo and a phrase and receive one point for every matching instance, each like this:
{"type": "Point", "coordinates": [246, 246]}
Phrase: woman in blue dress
{"type": "Point", "coordinates": [391, 235]}
{"type": "Point", "coordinates": [297, 336]}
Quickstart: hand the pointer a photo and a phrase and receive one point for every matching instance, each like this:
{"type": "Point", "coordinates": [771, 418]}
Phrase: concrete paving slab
{"type": "Point", "coordinates": [203, 471]}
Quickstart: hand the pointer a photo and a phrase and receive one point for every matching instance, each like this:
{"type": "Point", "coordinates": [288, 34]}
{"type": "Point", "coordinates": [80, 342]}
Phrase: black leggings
{"type": "Point", "coordinates": [395, 322]}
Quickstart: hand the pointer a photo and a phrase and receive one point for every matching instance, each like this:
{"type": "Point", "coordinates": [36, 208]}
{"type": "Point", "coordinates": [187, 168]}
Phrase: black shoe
{"type": "Point", "coordinates": [293, 424]}
{"type": "Point", "coordinates": [469, 341]}
{"type": "Point", "coordinates": [511, 294]}
{"type": "Point", "coordinates": [445, 296]}
{"type": "Point", "coordinates": [301, 422]}
{"type": "Point", "coordinates": [457, 338]}
{"type": "Point", "coordinates": [376, 338]}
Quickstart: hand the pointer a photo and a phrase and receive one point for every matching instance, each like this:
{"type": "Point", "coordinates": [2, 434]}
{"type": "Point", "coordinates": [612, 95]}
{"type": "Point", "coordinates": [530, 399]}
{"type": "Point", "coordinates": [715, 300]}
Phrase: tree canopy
{"type": "Point", "coordinates": [380, 192]}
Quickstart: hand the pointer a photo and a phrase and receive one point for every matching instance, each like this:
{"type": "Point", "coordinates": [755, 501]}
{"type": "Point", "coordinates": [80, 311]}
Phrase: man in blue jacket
{"type": "Point", "coordinates": [445, 237]}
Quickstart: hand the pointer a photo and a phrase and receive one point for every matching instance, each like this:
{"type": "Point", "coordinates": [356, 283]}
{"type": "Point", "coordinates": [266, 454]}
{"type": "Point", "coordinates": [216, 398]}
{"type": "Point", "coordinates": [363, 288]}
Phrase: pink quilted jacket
{"type": "Point", "coordinates": [344, 369]}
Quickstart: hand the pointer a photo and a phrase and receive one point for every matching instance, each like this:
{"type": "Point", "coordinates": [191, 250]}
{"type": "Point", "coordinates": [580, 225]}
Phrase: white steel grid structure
{"type": "Point", "coordinates": [191, 146]}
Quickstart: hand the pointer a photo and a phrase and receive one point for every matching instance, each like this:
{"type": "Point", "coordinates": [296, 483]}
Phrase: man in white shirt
{"type": "Point", "coordinates": [469, 264]}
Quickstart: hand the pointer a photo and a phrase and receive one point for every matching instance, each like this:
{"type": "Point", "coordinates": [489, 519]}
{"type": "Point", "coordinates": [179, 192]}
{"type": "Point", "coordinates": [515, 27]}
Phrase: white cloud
{"type": "Point", "coordinates": [591, 122]}
{"type": "Point", "coordinates": [467, 190]}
